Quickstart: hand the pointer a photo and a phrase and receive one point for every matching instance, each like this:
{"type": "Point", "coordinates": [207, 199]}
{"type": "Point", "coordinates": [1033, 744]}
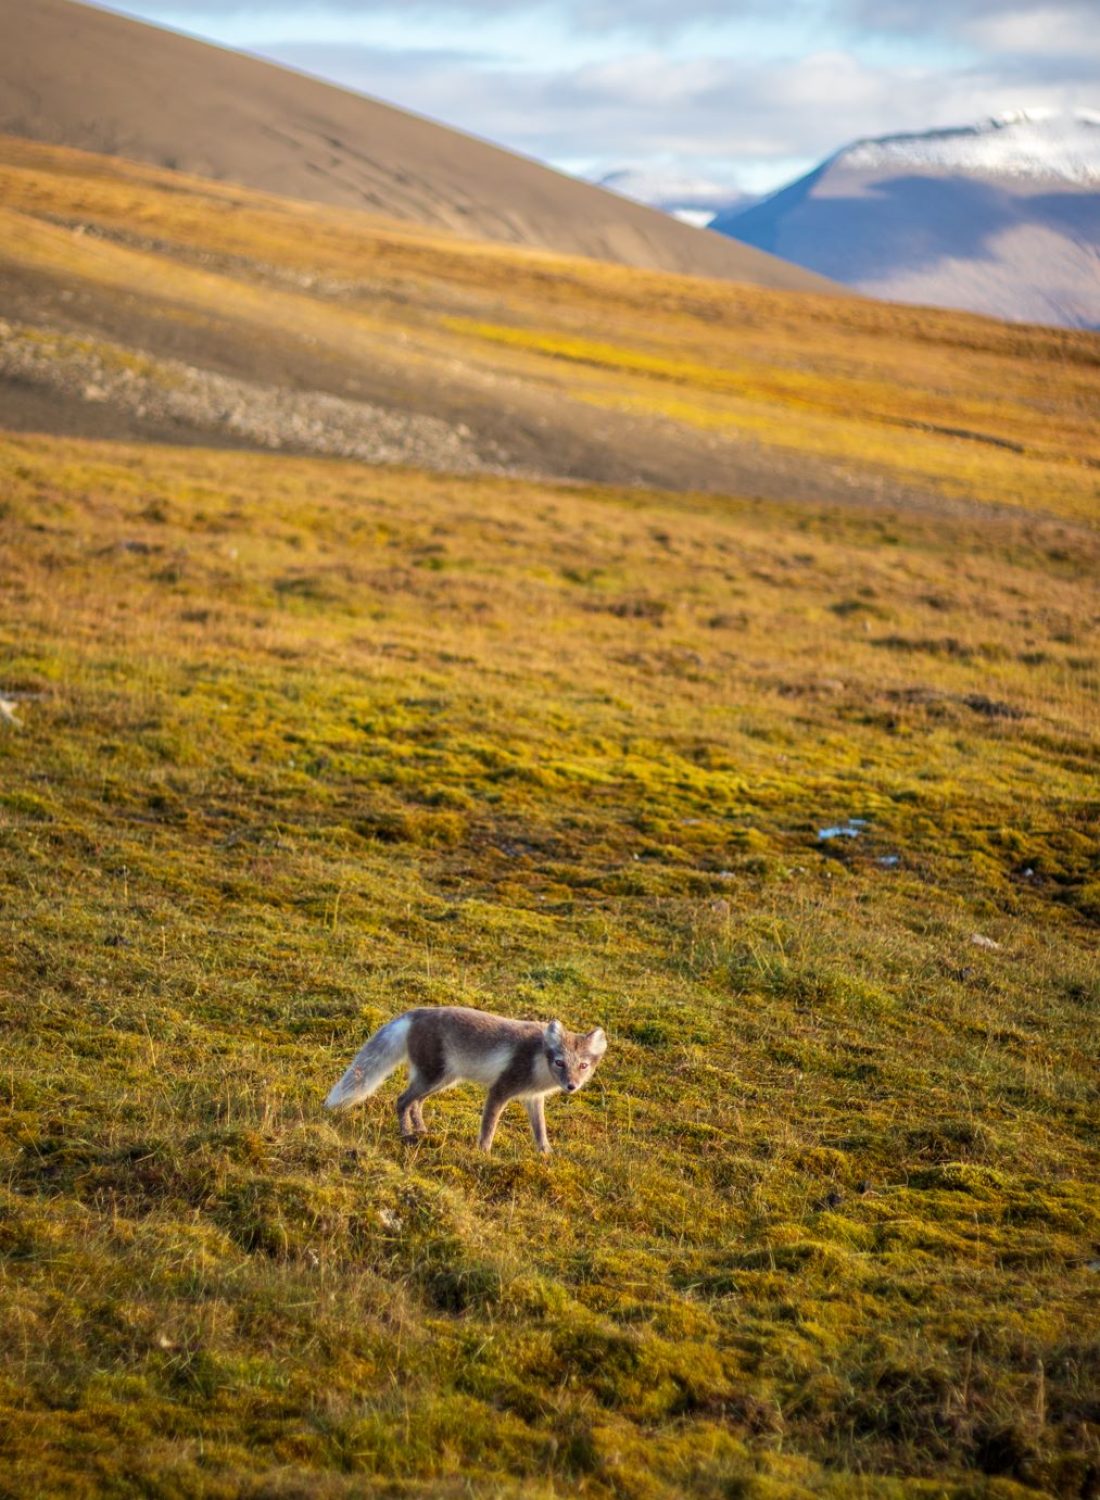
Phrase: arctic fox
{"type": "Point", "coordinates": [449, 1044]}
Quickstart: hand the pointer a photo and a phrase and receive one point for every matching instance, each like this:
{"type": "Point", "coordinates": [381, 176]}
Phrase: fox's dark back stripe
{"type": "Point", "coordinates": [426, 1047]}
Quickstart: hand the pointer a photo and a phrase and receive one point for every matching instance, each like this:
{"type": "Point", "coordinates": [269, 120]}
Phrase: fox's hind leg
{"type": "Point", "coordinates": [410, 1115]}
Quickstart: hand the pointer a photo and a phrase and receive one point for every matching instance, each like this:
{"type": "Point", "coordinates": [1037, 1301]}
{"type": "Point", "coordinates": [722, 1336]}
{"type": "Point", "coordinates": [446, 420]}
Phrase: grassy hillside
{"type": "Point", "coordinates": [144, 303]}
{"type": "Point", "coordinates": [304, 743]}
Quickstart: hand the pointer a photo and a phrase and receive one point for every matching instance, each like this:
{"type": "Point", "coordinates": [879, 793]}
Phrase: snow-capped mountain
{"type": "Point", "coordinates": [695, 200]}
{"type": "Point", "coordinates": [1000, 217]}
{"type": "Point", "coordinates": [1025, 143]}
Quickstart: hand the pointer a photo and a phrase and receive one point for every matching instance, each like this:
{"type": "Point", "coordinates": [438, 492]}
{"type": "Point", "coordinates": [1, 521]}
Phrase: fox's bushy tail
{"type": "Point", "coordinates": [373, 1063]}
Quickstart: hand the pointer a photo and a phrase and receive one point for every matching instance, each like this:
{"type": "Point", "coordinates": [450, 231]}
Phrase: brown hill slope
{"type": "Point", "coordinates": [144, 303]}
{"type": "Point", "coordinates": [75, 76]}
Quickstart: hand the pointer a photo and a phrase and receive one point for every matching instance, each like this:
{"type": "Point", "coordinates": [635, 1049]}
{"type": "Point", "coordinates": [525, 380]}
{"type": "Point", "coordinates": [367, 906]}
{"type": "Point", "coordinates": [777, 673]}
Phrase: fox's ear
{"type": "Point", "coordinates": [596, 1042]}
{"type": "Point", "coordinates": [553, 1034]}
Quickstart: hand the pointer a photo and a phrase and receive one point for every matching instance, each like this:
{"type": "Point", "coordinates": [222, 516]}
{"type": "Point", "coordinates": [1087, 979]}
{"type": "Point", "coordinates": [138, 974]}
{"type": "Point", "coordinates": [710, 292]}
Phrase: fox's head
{"type": "Point", "coordinates": [571, 1056]}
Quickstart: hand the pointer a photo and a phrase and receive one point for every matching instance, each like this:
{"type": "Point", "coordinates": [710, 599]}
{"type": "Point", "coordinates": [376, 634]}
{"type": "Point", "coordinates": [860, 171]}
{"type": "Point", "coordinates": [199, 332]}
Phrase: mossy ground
{"type": "Point", "coordinates": [304, 745]}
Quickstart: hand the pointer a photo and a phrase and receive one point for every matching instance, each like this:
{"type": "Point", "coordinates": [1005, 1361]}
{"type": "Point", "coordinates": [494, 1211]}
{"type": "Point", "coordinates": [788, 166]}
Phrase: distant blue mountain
{"type": "Point", "coordinates": [1000, 218]}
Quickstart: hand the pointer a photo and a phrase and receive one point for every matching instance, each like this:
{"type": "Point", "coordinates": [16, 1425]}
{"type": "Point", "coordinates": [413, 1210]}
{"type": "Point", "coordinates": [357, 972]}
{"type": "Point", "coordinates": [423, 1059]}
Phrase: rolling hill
{"type": "Point", "coordinates": [291, 744]}
{"type": "Point", "coordinates": [145, 303]}
{"type": "Point", "coordinates": [1001, 218]}
{"type": "Point", "coordinates": [73, 75]}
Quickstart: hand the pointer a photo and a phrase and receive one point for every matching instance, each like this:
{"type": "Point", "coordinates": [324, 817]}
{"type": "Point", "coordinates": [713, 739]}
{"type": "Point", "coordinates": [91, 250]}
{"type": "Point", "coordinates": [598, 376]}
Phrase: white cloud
{"type": "Point", "coordinates": [1040, 32]}
{"type": "Point", "coordinates": [752, 121]}
{"type": "Point", "coordinates": [639, 18]}
{"type": "Point", "coordinates": [914, 17]}
{"type": "Point", "coordinates": [650, 81]}
{"type": "Point", "coordinates": [759, 96]}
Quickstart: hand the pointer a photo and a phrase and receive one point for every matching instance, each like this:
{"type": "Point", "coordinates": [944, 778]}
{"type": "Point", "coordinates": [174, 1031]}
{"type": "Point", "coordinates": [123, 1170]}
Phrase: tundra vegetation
{"type": "Point", "coordinates": [302, 743]}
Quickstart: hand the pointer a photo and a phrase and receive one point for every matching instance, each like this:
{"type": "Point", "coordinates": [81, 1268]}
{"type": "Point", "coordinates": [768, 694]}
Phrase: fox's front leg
{"type": "Point", "coordinates": [537, 1115]}
{"type": "Point", "coordinates": [494, 1107]}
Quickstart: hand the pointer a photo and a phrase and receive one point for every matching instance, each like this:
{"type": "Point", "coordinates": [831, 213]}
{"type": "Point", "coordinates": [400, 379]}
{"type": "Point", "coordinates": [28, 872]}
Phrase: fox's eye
{"type": "Point", "coordinates": [584, 1065]}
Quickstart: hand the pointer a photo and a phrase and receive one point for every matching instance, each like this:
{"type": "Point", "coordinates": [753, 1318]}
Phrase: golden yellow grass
{"type": "Point", "coordinates": [304, 744]}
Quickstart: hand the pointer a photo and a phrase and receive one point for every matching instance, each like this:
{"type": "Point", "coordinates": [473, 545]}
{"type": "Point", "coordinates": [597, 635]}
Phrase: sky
{"type": "Point", "coordinates": [745, 93]}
